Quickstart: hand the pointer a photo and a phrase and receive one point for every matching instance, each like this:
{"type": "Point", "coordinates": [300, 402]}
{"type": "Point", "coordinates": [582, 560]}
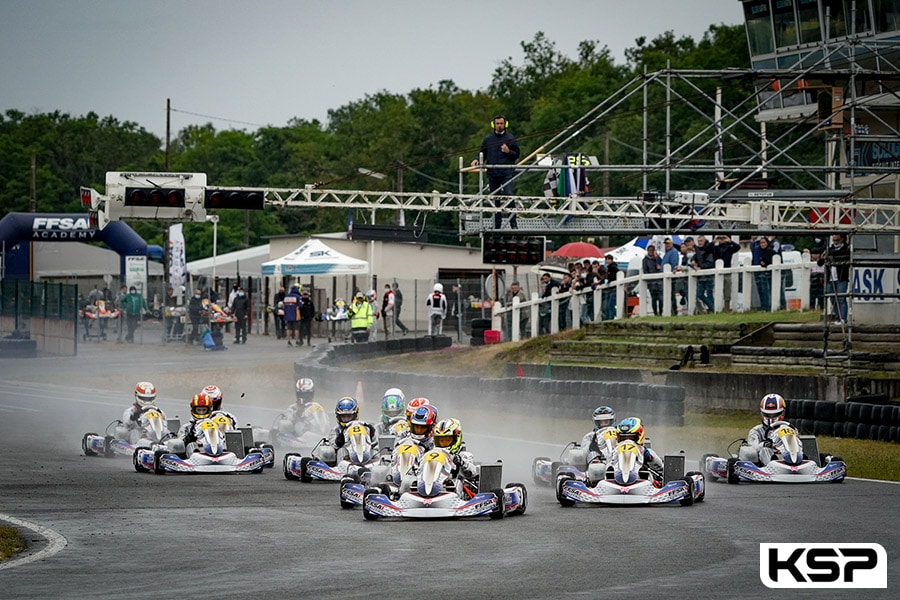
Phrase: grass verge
{"type": "Point", "coordinates": [10, 542]}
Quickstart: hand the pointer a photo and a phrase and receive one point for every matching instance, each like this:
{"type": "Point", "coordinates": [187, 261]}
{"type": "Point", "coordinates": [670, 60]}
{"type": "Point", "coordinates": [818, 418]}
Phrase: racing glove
{"type": "Point", "coordinates": [768, 444]}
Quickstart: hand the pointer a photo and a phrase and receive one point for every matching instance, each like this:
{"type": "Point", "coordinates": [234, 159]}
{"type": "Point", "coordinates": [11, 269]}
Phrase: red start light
{"type": "Point", "coordinates": [85, 197]}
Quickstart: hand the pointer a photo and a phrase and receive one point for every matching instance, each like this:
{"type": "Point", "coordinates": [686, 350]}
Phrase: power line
{"type": "Point", "coordinates": [187, 112]}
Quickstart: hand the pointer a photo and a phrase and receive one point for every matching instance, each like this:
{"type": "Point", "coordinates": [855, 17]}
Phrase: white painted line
{"type": "Point", "coordinates": [55, 542]}
{"type": "Point", "coordinates": [874, 480]}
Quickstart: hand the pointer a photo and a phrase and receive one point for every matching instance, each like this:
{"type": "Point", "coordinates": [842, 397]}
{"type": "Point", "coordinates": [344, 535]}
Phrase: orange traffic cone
{"type": "Point", "coordinates": [519, 372]}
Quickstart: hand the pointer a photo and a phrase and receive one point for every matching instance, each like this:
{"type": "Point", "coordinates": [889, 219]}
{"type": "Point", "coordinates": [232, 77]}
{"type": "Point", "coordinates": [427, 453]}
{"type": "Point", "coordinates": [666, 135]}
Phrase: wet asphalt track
{"type": "Point", "coordinates": [126, 535]}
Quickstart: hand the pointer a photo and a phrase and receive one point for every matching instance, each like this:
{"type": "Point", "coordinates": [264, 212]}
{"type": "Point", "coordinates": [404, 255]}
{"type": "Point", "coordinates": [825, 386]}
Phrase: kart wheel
{"type": "Point", "coordinates": [271, 463]}
{"type": "Point", "coordinates": [498, 513]}
{"type": "Point", "coordinates": [137, 464]}
{"type": "Point", "coordinates": [84, 445]}
{"type": "Point", "coordinates": [304, 464]}
{"type": "Point", "coordinates": [284, 466]}
{"type": "Point", "coordinates": [385, 489]}
{"type": "Point", "coordinates": [368, 515]}
{"type": "Point", "coordinates": [344, 503]}
{"type": "Point", "coordinates": [559, 483]}
{"type": "Point", "coordinates": [729, 468]}
{"type": "Point", "coordinates": [703, 468]}
{"type": "Point", "coordinates": [520, 510]}
{"type": "Point", "coordinates": [554, 467]}
{"type": "Point", "coordinates": [107, 449]}
{"type": "Point", "coordinates": [157, 466]}
{"type": "Point", "coordinates": [689, 499]}
{"type": "Point", "coordinates": [700, 497]}
{"type": "Point", "coordinates": [534, 473]}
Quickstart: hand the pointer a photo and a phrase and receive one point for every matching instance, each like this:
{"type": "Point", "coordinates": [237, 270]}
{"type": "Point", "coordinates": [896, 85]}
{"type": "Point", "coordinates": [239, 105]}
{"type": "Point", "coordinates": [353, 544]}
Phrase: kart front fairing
{"type": "Point", "coordinates": [778, 471]}
{"type": "Point", "coordinates": [441, 506]}
{"type": "Point", "coordinates": [608, 491]}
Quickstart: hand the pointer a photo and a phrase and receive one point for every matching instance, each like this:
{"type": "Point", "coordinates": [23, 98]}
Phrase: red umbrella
{"type": "Point", "coordinates": [579, 250]}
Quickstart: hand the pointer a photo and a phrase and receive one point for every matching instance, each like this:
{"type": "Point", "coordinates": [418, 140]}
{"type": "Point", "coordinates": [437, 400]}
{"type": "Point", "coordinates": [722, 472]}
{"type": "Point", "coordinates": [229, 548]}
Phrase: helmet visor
{"type": "Point", "coordinates": [201, 411]}
{"type": "Point", "coordinates": [444, 440]}
{"type": "Point", "coordinates": [418, 428]}
{"type": "Point", "coordinates": [346, 417]}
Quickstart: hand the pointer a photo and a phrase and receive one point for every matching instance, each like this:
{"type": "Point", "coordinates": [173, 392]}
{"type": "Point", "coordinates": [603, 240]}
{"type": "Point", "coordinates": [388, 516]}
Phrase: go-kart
{"type": "Point", "coordinates": [323, 465]}
{"type": "Point", "coordinates": [118, 440]}
{"type": "Point", "coordinates": [216, 452]}
{"type": "Point", "coordinates": [544, 469]}
{"type": "Point", "coordinates": [401, 462]}
{"type": "Point", "coordinates": [793, 462]}
{"type": "Point", "coordinates": [300, 436]}
{"type": "Point", "coordinates": [243, 444]}
{"type": "Point", "coordinates": [437, 495]}
{"type": "Point", "coordinates": [626, 480]}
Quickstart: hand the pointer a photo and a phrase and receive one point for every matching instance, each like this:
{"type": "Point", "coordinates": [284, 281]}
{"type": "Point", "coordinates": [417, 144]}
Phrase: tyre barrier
{"type": "Point", "coordinates": [854, 418]}
{"type": "Point", "coordinates": [556, 398]}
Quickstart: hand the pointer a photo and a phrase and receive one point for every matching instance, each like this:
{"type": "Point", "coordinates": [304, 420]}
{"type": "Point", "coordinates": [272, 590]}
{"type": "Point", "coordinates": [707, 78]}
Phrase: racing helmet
{"type": "Point", "coordinates": [448, 435]}
{"type": "Point", "coordinates": [144, 394]}
{"type": "Point", "coordinates": [439, 287]}
{"type": "Point", "coordinates": [392, 405]}
{"type": "Point", "coordinates": [630, 429]}
{"type": "Point", "coordinates": [772, 409]}
{"type": "Point", "coordinates": [201, 406]}
{"type": "Point", "coordinates": [215, 394]}
{"type": "Point", "coordinates": [346, 411]}
{"type": "Point", "coordinates": [421, 425]}
{"type": "Point", "coordinates": [305, 390]}
{"type": "Point", "coordinates": [340, 302]}
{"type": "Point", "coordinates": [603, 417]}
{"type": "Point", "coordinates": [413, 404]}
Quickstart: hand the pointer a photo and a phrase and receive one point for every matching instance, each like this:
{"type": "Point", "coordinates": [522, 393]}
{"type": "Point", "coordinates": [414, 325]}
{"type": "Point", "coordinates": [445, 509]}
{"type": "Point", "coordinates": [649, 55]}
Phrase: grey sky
{"type": "Point", "coordinates": [268, 61]}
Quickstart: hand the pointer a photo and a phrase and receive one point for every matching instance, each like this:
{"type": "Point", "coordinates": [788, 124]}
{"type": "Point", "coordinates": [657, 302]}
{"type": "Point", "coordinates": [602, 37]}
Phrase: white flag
{"type": "Point", "coordinates": [177, 263]}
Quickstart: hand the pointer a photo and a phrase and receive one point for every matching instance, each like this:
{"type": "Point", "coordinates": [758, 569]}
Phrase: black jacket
{"type": "Point", "coordinates": [490, 150]}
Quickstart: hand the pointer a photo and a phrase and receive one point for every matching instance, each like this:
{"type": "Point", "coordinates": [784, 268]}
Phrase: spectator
{"type": "Point", "coordinates": [387, 310]}
{"type": "Point", "coordinates": [836, 261]}
{"type": "Point", "coordinates": [95, 295]}
{"type": "Point", "coordinates": [651, 265]}
{"type": "Point", "coordinates": [544, 309]}
{"type": "Point", "coordinates": [372, 299]}
{"type": "Point", "coordinates": [278, 313]}
{"type": "Point", "coordinates": [585, 285]}
{"type": "Point", "coordinates": [292, 314]}
{"type": "Point", "coordinates": [515, 291]}
{"type": "Point", "coordinates": [500, 148]}
{"type": "Point", "coordinates": [437, 310]}
{"type": "Point", "coordinates": [724, 249]}
{"type": "Point", "coordinates": [672, 257]}
{"type": "Point", "coordinates": [704, 261]}
{"type": "Point", "coordinates": [120, 304]}
{"type": "Point", "coordinates": [240, 308]}
{"type": "Point", "coordinates": [565, 302]}
{"type": "Point", "coordinates": [764, 278]}
{"type": "Point", "coordinates": [307, 314]}
{"type": "Point", "coordinates": [609, 294]}
{"type": "Point", "coordinates": [816, 278]}
{"type": "Point", "coordinates": [196, 310]}
{"type": "Point", "coordinates": [135, 307]}
{"type": "Point", "coordinates": [361, 319]}
{"type": "Point", "coordinates": [398, 304]}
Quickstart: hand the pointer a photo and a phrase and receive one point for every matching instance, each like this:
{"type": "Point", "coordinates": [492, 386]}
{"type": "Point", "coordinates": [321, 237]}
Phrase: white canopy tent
{"type": "Point", "coordinates": [231, 264]}
{"type": "Point", "coordinates": [315, 258]}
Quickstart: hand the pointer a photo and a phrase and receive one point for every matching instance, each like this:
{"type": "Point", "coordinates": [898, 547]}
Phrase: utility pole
{"type": "Point", "coordinates": [400, 187]}
{"type": "Point", "coordinates": [168, 129]}
{"type": "Point", "coordinates": [32, 204]}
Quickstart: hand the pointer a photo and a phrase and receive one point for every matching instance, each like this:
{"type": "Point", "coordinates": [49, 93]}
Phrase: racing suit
{"type": "Point", "coordinates": [131, 421]}
{"type": "Point", "coordinates": [231, 417]}
{"type": "Point", "coordinates": [300, 419]}
{"type": "Point", "coordinates": [653, 462]}
{"type": "Point", "coordinates": [437, 312]}
{"type": "Point", "coordinates": [761, 441]}
{"type": "Point", "coordinates": [594, 446]}
{"type": "Point", "coordinates": [464, 465]}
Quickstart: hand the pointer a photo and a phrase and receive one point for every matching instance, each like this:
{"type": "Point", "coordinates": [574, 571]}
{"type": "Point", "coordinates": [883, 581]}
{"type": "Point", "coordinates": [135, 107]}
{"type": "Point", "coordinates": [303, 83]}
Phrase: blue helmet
{"type": "Point", "coordinates": [347, 410]}
{"type": "Point", "coordinates": [631, 429]}
{"type": "Point", "coordinates": [603, 417]}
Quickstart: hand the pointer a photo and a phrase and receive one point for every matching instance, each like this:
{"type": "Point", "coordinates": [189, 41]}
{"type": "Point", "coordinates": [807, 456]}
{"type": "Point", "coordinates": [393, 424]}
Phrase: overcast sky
{"type": "Point", "coordinates": [241, 64]}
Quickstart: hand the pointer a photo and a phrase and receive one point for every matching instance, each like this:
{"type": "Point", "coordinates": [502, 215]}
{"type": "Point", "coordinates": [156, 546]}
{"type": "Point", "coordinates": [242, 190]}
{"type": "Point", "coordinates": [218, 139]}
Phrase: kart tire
{"type": "Point", "coordinates": [384, 488]}
{"type": "Point", "coordinates": [498, 513]}
{"type": "Point", "coordinates": [534, 477]}
{"type": "Point", "coordinates": [520, 510]}
{"type": "Point", "coordinates": [729, 468]}
{"type": "Point", "coordinates": [304, 464]}
{"type": "Point", "coordinates": [107, 449]}
{"type": "Point", "coordinates": [284, 467]}
{"type": "Point", "coordinates": [554, 467]}
{"type": "Point", "coordinates": [689, 499]}
{"type": "Point", "coordinates": [344, 503]}
{"type": "Point", "coordinates": [84, 445]}
{"type": "Point", "coordinates": [369, 516]}
{"type": "Point", "coordinates": [269, 465]}
{"type": "Point", "coordinates": [157, 467]}
{"type": "Point", "coordinates": [703, 468]}
{"type": "Point", "coordinates": [134, 460]}
{"type": "Point", "coordinates": [482, 323]}
{"type": "Point", "coordinates": [702, 496]}
{"type": "Point", "coordinates": [563, 501]}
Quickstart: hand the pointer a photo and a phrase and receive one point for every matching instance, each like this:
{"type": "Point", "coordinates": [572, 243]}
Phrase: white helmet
{"type": "Point", "coordinates": [144, 394]}
{"type": "Point", "coordinates": [439, 287]}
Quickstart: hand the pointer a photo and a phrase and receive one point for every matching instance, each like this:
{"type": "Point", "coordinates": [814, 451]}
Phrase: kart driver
{"type": "Point", "coordinates": [304, 415]}
{"type": "Point", "coordinates": [448, 435]}
{"type": "Point", "coordinates": [201, 407]}
{"type": "Point", "coordinates": [345, 412]}
{"type": "Point", "coordinates": [392, 411]}
{"type": "Point", "coordinates": [215, 394]}
{"type": "Point", "coordinates": [761, 439]}
{"type": "Point", "coordinates": [144, 399]}
{"type": "Point", "coordinates": [632, 429]}
{"type": "Point", "coordinates": [421, 426]}
{"type": "Point", "coordinates": [593, 442]}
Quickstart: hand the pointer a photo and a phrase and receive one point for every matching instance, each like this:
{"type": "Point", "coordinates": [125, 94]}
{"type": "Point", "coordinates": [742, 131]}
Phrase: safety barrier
{"type": "Point", "coordinates": [863, 417]}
